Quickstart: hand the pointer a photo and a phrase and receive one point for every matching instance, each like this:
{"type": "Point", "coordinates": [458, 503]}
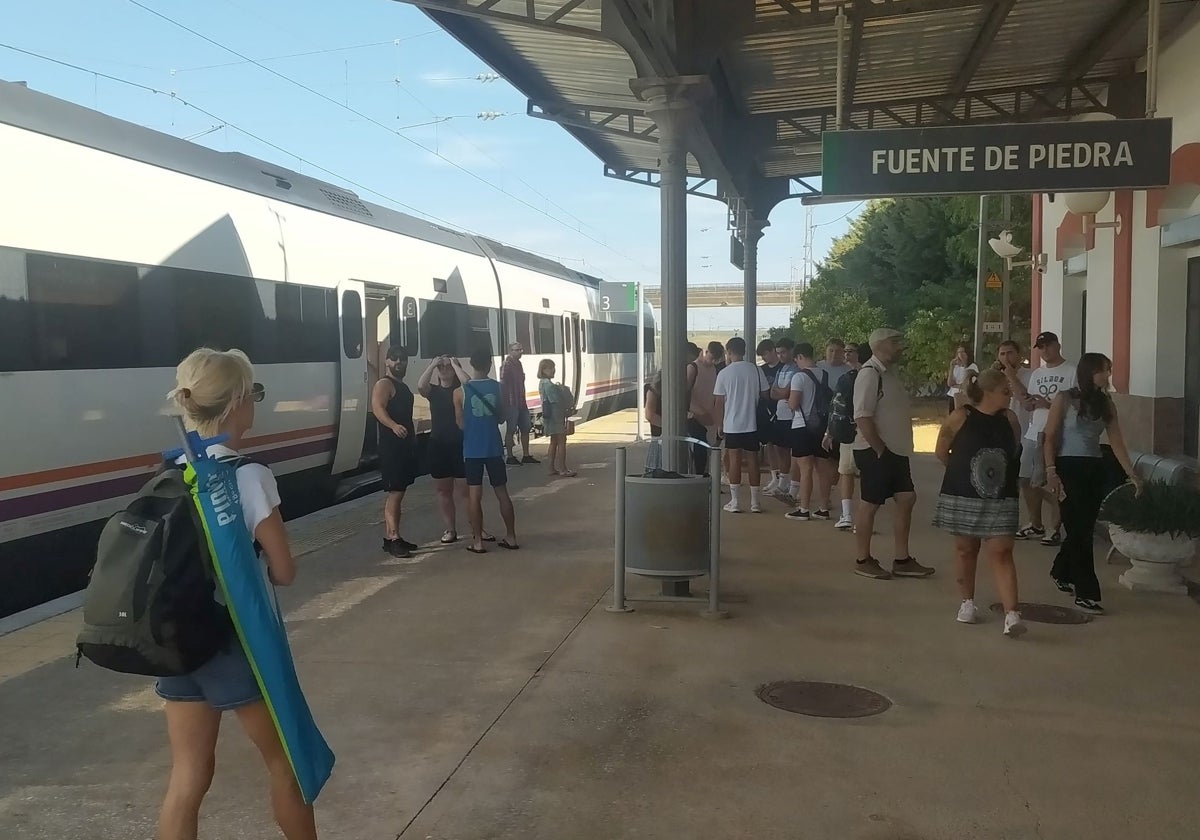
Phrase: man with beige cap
{"type": "Point", "coordinates": [882, 450]}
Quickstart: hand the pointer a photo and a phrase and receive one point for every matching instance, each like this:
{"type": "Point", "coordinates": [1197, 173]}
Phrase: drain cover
{"type": "Point", "coordinates": [1048, 613]}
{"type": "Point", "coordinates": [818, 699]}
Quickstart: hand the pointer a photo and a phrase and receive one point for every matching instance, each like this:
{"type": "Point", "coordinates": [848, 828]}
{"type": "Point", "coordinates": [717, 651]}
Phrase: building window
{"type": "Point", "coordinates": [408, 327]}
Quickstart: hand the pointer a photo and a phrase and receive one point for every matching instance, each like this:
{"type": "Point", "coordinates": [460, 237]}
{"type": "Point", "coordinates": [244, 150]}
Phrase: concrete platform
{"type": "Point", "coordinates": [493, 697]}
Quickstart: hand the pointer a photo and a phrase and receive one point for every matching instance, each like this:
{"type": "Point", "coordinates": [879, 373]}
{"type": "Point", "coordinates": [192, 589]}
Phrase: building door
{"type": "Point", "coordinates": [1191, 363]}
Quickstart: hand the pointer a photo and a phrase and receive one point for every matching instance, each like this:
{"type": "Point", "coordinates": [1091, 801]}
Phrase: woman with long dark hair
{"type": "Point", "coordinates": [1075, 471]}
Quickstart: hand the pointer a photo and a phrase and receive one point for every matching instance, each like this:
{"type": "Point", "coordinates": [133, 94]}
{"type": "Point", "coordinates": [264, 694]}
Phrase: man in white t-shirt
{"type": "Point", "coordinates": [1054, 376]}
{"type": "Point", "coordinates": [813, 461]}
{"type": "Point", "coordinates": [740, 385]}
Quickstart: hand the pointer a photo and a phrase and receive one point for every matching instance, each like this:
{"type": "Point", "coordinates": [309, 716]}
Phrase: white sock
{"type": "Point", "coordinates": [753, 495]}
{"type": "Point", "coordinates": [795, 490]}
{"type": "Point", "coordinates": [734, 492]}
{"type": "Point", "coordinates": [772, 484]}
{"type": "Point", "coordinates": [847, 507]}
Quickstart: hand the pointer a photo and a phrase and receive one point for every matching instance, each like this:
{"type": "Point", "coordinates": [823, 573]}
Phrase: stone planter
{"type": "Point", "coordinates": [1155, 560]}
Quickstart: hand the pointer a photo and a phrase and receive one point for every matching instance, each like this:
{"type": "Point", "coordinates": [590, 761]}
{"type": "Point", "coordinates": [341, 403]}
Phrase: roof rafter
{"type": "Point", "coordinates": [816, 13]}
{"type": "Point", "coordinates": [993, 20]}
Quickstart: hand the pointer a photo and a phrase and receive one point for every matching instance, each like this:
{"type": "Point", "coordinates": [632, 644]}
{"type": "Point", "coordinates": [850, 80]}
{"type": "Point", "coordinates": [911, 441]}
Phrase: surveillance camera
{"type": "Point", "coordinates": [1040, 261]}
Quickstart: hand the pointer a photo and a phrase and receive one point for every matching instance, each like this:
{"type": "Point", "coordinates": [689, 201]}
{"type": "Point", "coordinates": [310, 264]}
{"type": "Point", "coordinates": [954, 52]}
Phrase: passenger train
{"type": "Point", "coordinates": [122, 249]}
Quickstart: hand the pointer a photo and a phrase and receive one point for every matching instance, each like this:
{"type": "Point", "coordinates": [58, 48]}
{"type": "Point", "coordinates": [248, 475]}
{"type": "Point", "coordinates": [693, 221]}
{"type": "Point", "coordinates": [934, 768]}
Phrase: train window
{"type": "Point", "coordinates": [649, 341]}
{"type": "Point", "coordinates": [480, 329]}
{"type": "Point", "coordinates": [524, 331]}
{"type": "Point", "coordinates": [582, 336]}
{"type": "Point", "coordinates": [605, 337]}
{"type": "Point", "coordinates": [438, 329]}
{"type": "Point", "coordinates": [75, 305]}
{"type": "Point", "coordinates": [214, 310]}
{"type": "Point", "coordinates": [546, 338]}
{"type": "Point", "coordinates": [567, 332]}
{"type": "Point", "coordinates": [440, 285]}
{"type": "Point", "coordinates": [408, 327]}
{"type": "Point", "coordinates": [352, 324]}
{"type": "Point", "coordinates": [16, 320]}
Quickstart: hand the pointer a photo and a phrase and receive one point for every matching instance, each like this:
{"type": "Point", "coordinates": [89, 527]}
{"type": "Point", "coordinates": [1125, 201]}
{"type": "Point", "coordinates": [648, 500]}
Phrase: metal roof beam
{"type": "Point", "coordinates": [483, 10]}
{"type": "Point", "coordinates": [857, 22]}
{"type": "Point", "coordinates": [993, 20]}
{"type": "Point", "coordinates": [616, 121]}
{"type": "Point", "coordinates": [817, 13]}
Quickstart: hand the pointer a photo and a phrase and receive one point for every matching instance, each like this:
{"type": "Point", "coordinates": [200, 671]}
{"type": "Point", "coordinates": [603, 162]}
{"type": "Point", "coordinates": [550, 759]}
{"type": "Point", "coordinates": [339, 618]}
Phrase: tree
{"type": "Point", "coordinates": [911, 264]}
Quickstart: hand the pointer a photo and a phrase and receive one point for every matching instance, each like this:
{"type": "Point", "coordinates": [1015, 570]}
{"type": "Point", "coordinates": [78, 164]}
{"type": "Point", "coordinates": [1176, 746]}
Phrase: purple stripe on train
{"type": "Point", "coordinates": [82, 494]}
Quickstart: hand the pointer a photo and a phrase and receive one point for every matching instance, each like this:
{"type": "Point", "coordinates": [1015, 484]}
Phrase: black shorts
{"type": "Point", "coordinates": [806, 443]}
{"type": "Point", "coordinates": [882, 478]}
{"type": "Point", "coordinates": [496, 472]}
{"type": "Point", "coordinates": [446, 459]}
{"type": "Point", "coordinates": [398, 467]}
{"type": "Point", "coordinates": [780, 434]}
{"type": "Point", "coordinates": [745, 441]}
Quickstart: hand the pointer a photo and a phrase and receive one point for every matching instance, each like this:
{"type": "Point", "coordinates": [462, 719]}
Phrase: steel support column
{"type": "Point", "coordinates": [667, 103]}
{"type": "Point", "coordinates": [754, 232]}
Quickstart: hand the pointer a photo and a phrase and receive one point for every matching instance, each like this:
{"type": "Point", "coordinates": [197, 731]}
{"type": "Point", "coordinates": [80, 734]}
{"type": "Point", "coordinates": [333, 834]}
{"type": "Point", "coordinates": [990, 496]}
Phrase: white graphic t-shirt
{"type": "Point", "coordinates": [741, 384]}
{"type": "Point", "coordinates": [1047, 382]}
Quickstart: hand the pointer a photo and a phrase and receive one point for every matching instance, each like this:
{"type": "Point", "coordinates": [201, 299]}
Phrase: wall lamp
{"type": "Point", "coordinates": [1086, 205]}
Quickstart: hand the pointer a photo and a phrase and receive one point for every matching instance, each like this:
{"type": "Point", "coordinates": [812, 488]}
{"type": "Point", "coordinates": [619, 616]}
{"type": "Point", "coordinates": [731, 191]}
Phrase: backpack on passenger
{"type": "Point", "coordinates": [818, 416]}
{"type": "Point", "coordinates": [149, 606]}
{"type": "Point", "coordinates": [842, 427]}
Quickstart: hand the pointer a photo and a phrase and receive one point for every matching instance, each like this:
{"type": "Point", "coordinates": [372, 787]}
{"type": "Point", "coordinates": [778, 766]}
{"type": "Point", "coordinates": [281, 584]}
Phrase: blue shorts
{"type": "Point", "coordinates": [224, 682]}
{"type": "Point", "coordinates": [496, 471]}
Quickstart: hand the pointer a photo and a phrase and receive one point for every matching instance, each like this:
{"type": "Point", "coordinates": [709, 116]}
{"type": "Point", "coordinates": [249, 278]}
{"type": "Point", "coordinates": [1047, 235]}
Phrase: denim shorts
{"type": "Point", "coordinates": [224, 682]}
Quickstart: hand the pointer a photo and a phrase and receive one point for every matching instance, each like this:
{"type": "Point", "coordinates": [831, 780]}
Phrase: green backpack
{"type": "Point", "coordinates": [149, 607]}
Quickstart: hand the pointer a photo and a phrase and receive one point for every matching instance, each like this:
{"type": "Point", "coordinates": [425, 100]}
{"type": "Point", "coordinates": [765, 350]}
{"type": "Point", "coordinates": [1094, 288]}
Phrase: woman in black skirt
{"type": "Point", "coordinates": [979, 504]}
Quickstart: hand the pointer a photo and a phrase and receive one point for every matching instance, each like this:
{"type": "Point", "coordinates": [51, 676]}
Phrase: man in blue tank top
{"type": "Point", "coordinates": [477, 409]}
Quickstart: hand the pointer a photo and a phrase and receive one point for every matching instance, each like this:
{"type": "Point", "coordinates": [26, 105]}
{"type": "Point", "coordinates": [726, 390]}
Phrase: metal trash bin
{"type": "Point", "coordinates": [667, 526]}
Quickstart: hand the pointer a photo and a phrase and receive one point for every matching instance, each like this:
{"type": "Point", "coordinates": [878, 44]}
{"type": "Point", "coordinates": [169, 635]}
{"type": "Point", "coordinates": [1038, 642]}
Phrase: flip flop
{"type": "Point", "coordinates": [568, 474]}
{"type": "Point", "coordinates": [475, 550]}
{"type": "Point", "coordinates": [453, 539]}
{"type": "Point", "coordinates": [504, 543]}
{"type": "Point", "coordinates": [489, 538]}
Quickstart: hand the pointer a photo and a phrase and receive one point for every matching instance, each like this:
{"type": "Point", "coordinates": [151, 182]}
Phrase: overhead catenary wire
{"type": "Point", "coordinates": [476, 176]}
{"type": "Point", "coordinates": [227, 124]}
{"type": "Point", "coordinates": [839, 218]}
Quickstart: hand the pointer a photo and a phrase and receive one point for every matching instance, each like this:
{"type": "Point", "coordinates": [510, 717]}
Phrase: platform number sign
{"type": "Point", "coordinates": [618, 297]}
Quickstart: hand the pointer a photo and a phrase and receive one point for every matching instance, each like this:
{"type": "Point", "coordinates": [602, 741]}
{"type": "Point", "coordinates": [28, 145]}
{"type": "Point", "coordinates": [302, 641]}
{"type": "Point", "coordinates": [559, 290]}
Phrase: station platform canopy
{"type": "Point", "coordinates": [769, 70]}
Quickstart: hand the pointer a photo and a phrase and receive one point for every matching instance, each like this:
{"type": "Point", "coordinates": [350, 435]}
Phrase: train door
{"type": "Point", "coordinates": [382, 309]}
{"type": "Point", "coordinates": [570, 366]}
{"type": "Point", "coordinates": [354, 402]}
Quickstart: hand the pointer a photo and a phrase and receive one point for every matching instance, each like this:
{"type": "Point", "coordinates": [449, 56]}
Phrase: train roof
{"type": "Point", "coordinates": [47, 115]}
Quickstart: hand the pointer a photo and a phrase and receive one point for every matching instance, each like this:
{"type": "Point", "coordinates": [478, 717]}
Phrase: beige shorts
{"type": "Point", "coordinates": [846, 465]}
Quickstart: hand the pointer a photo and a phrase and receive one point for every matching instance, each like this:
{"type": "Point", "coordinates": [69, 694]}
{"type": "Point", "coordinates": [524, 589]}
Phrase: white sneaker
{"type": "Point", "coordinates": [844, 524]}
{"type": "Point", "coordinates": [732, 506]}
{"type": "Point", "coordinates": [755, 507]}
{"type": "Point", "coordinates": [968, 613]}
{"type": "Point", "coordinates": [771, 486]}
{"type": "Point", "coordinates": [1014, 628]}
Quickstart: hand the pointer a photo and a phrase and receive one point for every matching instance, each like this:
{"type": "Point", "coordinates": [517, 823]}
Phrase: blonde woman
{"type": "Point", "coordinates": [554, 418]}
{"type": "Point", "coordinates": [216, 392]}
{"type": "Point", "coordinates": [979, 445]}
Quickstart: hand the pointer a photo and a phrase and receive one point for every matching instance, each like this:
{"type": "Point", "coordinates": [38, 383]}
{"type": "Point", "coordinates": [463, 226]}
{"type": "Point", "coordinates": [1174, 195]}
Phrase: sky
{"type": "Point", "coordinates": [391, 112]}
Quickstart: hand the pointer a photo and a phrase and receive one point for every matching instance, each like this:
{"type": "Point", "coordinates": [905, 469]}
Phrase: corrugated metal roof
{"type": "Point", "coordinates": [780, 64]}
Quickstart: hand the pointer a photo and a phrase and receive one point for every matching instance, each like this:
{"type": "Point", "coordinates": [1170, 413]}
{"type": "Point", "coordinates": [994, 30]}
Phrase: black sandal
{"type": "Point", "coordinates": [475, 550]}
{"type": "Point", "coordinates": [504, 543]}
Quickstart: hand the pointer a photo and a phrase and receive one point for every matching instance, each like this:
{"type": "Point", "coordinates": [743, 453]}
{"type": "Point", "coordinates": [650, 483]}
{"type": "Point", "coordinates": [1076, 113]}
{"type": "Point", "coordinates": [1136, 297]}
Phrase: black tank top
{"type": "Point", "coordinates": [441, 414]}
{"type": "Point", "coordinates": [984, 458]}
{"type": "Point", "coordinates": [400, 409]}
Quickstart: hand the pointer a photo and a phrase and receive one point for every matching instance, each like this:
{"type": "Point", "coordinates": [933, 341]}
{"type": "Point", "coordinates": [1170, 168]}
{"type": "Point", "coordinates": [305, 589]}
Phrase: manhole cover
{"type": "Point", "coordinates": [818, 699]}
{"type": "Point", "coordinates": [1047, 613]}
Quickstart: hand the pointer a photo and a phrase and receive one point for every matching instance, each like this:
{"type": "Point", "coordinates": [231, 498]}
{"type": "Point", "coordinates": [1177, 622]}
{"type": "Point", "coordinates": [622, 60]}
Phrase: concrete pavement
{"type": "Point", "coordinates": [493, 697]}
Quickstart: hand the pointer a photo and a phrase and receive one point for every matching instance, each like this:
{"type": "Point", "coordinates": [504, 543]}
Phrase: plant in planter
{"type": "Point", "coordinates": [1156, 531]}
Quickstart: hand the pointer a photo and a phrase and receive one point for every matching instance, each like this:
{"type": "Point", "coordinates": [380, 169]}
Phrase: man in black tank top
{"type": "Point", "coordinates": [392, 405]}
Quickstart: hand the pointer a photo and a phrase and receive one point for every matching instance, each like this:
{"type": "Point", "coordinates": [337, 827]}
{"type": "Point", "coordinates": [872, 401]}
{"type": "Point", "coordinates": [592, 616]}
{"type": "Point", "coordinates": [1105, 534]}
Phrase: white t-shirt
{"type": "Point", "coordinates": [959, 375]}
{"type": "Point", "coordinates": [835, 372]}
{"type": "Point", "coordinates": [1047, 382]}
{"type": "Point", "coordinates": [783, 379]}
{"type": "Point", "coordinates": [803, 382]}
{"type": "Point", "coordinates": [741, 384]}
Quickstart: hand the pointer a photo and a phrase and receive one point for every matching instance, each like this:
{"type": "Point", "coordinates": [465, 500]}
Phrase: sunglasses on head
{"type": "Point", "coordinates": [257, 392]}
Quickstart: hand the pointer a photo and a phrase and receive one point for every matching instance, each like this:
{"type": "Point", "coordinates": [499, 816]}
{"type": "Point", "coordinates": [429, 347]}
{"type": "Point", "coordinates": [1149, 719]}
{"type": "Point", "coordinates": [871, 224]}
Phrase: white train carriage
{"type": "Point", "coordinates": [123, 249]}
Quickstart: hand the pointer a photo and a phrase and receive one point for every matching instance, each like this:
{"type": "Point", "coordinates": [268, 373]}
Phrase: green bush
{"type": "Point", "coordinates": [1161, 509]}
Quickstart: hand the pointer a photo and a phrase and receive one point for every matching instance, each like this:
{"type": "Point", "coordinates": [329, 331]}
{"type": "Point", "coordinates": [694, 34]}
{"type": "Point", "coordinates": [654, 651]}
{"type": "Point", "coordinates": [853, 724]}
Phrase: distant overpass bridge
{"type": "Point", "coordinates": [723, 294]}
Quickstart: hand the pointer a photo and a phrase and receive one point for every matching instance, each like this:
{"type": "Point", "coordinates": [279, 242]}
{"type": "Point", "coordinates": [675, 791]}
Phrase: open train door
{"type": "Point", "coordinates": [354, 403]}
{"type": "Point", "coordinates": [569, 371]}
